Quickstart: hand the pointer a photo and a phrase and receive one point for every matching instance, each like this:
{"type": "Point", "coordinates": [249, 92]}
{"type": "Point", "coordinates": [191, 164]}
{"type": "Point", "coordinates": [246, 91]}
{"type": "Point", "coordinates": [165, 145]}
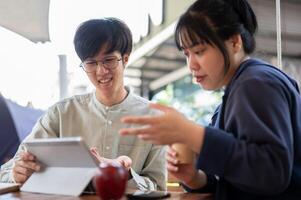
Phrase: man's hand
{"type": "Point", "coordinates": [125, 161]}
{"type": "Point", "coordinates": [24, 167]}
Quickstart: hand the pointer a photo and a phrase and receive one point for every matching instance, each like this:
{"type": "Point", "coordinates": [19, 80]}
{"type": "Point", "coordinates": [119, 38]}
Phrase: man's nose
{"type": "Point", "coordinates": [100, 68]}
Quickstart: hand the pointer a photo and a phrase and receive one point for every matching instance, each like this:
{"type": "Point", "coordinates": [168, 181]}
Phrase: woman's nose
{"type": "Point", "coordinates": [192, 63]}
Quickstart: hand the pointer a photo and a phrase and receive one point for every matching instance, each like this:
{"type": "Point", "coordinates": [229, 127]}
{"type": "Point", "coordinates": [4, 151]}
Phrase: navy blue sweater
{"type": "Point", "coordinates": [252, 150]}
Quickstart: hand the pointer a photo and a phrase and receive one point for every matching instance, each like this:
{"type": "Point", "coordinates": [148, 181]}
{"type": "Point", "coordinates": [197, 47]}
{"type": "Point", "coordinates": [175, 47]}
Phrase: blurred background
{"type": "Point", "coordinates": [39, 66]}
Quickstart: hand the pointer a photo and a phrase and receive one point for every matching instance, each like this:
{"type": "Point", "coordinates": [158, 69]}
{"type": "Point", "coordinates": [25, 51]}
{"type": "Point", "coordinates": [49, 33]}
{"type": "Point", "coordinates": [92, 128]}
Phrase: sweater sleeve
{"type": "Point", "coordinates": [210, 187]}
{"type": "Point", "coordinates": [255, 152]}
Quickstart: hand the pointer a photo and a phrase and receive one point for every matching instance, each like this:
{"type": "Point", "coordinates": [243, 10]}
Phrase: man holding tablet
{"type": "Point", "coordinates": [104, 47]}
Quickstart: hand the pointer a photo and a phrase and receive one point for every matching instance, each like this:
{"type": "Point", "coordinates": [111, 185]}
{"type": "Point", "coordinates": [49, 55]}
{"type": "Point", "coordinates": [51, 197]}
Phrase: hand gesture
{"type": "Point", "coordinates": [125, 161]}
{"type": "Point", "coordinates": [24, 167]}
{"type": "Point", "coordinates": [167, 128]}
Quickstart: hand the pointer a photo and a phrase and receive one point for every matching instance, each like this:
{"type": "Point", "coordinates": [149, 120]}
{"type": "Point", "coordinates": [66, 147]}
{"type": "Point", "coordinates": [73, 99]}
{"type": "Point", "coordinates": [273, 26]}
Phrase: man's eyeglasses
{"type": "Point", "coordinates": [108, 63]}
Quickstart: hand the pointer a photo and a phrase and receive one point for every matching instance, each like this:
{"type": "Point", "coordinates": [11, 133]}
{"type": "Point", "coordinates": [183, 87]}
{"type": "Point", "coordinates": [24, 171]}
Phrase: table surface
{"type": "Point", "coordinates": [34, 196]}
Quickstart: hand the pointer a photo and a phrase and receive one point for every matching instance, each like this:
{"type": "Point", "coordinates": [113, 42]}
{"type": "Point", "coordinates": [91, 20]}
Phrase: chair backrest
{"type": "Point", "coordinates": [9, 140]}
{"type": "Point", "coordinates": [24, 118]}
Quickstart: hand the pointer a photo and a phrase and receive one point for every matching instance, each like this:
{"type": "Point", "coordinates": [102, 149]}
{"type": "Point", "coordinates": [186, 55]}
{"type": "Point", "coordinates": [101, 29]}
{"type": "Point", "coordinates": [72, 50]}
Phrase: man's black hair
{"type": "Point", "coordinates": [95, 34]}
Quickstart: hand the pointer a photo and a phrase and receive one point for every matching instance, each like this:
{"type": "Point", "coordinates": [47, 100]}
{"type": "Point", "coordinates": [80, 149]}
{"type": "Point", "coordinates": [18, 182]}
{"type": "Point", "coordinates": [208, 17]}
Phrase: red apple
{"type": "Point", "coordinates": [110, 181]}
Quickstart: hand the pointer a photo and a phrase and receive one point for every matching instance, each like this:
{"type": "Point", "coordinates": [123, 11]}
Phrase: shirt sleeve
{"type": "Point", "coordinates": [255, 152]}
{"type": "Point", "coordinates": [153, 176]}
{"type": "Point", "coordinates": [6, 172]}
{"type": "Point", "coordinates": [44, 128]}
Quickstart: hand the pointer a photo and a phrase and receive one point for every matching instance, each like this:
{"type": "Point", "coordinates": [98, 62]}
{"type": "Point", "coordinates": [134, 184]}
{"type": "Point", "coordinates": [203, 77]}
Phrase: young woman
{"type": "Point", "coordinates": [252, 149]}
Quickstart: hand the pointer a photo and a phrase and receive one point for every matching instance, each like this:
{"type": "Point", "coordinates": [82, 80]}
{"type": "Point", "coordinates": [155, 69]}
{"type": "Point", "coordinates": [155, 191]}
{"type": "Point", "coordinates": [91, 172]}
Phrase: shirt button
{"type": "Point", "coordinates": [107, 107]}
{"type": "Point", "coordinates": [107, 147]}
{"type": "Point", "coordinates": [110, 122]}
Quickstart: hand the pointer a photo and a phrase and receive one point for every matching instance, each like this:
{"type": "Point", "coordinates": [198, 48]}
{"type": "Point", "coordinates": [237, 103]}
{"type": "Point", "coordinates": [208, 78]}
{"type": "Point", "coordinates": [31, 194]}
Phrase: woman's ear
{"type": "Point", "coordinates": [236, 42]}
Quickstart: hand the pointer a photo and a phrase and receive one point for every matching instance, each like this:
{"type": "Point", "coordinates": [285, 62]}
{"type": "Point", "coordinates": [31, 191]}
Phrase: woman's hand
{"type": "Point", "coordinates": [185, 173]}
{"type": "Point", "coordinates": [167, 128]}
{"type": "Point", "coordinates": [25, 167]}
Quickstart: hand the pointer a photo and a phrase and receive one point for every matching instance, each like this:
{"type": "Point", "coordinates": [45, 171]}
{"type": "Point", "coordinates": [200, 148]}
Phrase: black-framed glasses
{"type": "Point", "coordinates": [109, 63]}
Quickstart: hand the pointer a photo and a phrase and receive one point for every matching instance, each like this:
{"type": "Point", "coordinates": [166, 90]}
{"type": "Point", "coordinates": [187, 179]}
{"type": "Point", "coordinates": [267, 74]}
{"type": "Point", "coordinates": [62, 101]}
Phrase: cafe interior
{"type": "Point", "coordinates": [156, 70]}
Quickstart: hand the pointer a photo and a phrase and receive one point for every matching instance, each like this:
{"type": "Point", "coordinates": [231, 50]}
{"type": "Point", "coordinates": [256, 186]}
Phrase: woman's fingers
{"type": "Point", "coordinates": [145, 136]}
{"type": "Point", "coordinates": [128, 131]}
{"type": "Point", "coordinates": [159, 107]}
{"type": "Point", "coordinates": [139, 119]}
{"type": "Point", "coordinates": [171, 159]}
{"type": "Point", "coordinates": [172, 168]}
{"type": "Point", "coordinates": [171, 151]}
{"type": "Point", "coordinates": [145, 130]}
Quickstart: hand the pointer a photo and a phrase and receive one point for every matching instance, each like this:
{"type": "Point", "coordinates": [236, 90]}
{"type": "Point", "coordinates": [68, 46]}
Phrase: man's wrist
{"type": "Point", "coordinates": [130, 176]}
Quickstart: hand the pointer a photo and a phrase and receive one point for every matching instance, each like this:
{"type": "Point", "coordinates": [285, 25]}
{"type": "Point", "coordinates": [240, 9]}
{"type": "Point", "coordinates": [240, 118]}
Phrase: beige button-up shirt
{"type": "Point", "coordinates": [98, 125]}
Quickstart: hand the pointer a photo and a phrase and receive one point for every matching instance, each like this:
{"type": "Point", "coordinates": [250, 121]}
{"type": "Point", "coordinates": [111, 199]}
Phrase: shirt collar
{"type": "Point", "coordinates": [124, 105]}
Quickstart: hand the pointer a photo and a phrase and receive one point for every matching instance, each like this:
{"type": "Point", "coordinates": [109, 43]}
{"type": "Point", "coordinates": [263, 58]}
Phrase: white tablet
{"type": "Point", "coordinates": [61, 152]}
{"type": "Point", "coordinates": [67, 166]}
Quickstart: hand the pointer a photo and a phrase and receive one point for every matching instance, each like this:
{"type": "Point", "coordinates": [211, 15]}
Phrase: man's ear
{"type": "Point", "coordinates": [125, 59]}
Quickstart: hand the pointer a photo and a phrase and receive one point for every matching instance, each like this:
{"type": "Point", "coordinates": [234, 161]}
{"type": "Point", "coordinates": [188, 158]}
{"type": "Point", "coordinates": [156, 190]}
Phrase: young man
{"type": "Point", "coordinates": [104, 47]}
